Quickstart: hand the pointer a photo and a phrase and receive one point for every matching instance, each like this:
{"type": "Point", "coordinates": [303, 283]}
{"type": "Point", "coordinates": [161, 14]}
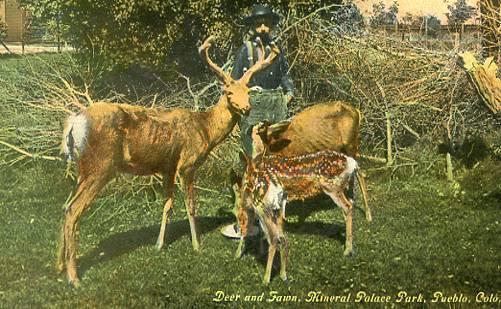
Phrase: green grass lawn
{"type": "Point", "coordinates": [422, 241]}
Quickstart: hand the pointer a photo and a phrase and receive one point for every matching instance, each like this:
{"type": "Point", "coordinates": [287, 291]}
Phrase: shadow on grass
{"type": "Point", "coordinates": [126, 242]}
{"type": "Point", "coordinates": [332, 230]}
{"type": "Point", "coordinates": [8, 55]}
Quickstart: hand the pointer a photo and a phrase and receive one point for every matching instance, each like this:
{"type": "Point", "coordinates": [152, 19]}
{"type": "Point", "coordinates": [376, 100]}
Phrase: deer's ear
{"type": "Point", "coordinates": [278, 128]}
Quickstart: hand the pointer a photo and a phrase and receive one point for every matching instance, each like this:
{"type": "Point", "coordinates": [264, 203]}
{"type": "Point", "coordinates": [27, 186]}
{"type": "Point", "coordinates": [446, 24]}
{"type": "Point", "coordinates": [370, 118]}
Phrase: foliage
{"type": "Point", "coordinates": [155, 33]}
{"type": "Point", "coordinates": [3, 30]}
{"type": "Point", "coordinates": [43, 22]}
{"type": "Point", "coordinates": [348, 20]}
{"type": "Point", "coordinates": [433, 24]}
{"type": "Point", "coordinates": [382, 16]}
{"type": "Point", "coordinates": [430, 22]}
{"type": "Point", "coordinates": [459, 13]}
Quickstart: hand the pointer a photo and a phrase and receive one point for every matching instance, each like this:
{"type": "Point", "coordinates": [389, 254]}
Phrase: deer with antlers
{"type": "Point", "coordinates": [333, 125]}
{"type": "Point", "coordinates": [107, 139]}
{"type": "Point", "coordinates": [271, 180]}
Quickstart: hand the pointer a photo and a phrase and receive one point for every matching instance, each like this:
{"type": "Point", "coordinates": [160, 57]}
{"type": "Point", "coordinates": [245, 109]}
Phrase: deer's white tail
{"type": "Point", "coordinates": [74, 135]}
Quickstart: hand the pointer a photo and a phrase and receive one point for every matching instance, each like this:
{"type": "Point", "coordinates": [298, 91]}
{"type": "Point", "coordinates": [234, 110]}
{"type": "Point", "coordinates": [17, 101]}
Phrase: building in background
{"type": "Point", "coordinates": [13, 16]}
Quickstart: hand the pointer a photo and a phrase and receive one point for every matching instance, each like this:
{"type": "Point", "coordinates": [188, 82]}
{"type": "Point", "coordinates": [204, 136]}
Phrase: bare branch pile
{"type": "Point", "coordinates": [427, 97]}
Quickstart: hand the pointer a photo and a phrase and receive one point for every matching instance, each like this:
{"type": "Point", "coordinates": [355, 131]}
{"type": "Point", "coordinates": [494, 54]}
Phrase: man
{"type": "Point", "coordinates": [271, 89]}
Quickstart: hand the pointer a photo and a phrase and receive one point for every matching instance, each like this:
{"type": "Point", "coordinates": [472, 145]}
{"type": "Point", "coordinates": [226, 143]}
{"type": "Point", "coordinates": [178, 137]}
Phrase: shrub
{"type": "Point", "coordinates": [3, 30]}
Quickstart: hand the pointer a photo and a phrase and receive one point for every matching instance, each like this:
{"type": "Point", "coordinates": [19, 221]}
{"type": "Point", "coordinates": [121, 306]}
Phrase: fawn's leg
{"type": "Point", "coordinates": [271, 255]}
{"type": "Point", "coordinates": [243, 215]}
{"type": "Point", "coordinates": [284, 250]}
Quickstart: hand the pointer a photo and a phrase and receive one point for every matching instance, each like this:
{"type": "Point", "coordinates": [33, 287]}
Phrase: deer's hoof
{"type": "Point", "coordinates": [59, 266]}
{"type": "Point", "coordinates": [74, 283]}
{"type": "Point", "coordinates": [348, 253]}
{"type": "Point", "coordinates": [238, 254]}
{"type": "Point", "coordinates": [159, 246]}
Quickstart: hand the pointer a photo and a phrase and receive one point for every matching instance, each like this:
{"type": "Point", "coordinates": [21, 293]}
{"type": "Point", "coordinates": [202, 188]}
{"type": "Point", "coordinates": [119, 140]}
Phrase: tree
{"type": "Point", "coordinates": [382, 16]}
{"type": "Point", "coordinates": [159, 34]}
{"type": "Point", "coordinates": [44, 20]}
{"type": "Point", "coordinates": [433, 24]}
{"type": "Point", "coordinates": [408, 19]}
{"type": "Point", "coordinates": [348, 19]}
{"type": "Point", "coordinates": [3, 31]}
{"type": "Point", "coordinates": [459, 13]}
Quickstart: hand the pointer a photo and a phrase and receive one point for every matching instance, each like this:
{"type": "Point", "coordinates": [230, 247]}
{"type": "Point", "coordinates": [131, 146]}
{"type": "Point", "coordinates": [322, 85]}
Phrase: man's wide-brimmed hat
{"type": "Point", "coordinates": [259, 11]}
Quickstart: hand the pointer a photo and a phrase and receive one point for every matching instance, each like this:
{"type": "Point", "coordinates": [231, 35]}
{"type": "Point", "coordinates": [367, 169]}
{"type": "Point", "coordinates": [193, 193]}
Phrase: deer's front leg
{"type": "Point", "coordinates": [284, 249]}
{"type": "Point", "coordinates": [188, 185]}
{"type": "Point", "coordinates": [243, 221]}
{"type": "Point", "coordinates": [284, 256]}
{"type": "Point", "coordinates": [168, 183]}
{"type": "Point", "coordinates": [271, 255]}
{"type": "Point", "coordinates": [246, 219]}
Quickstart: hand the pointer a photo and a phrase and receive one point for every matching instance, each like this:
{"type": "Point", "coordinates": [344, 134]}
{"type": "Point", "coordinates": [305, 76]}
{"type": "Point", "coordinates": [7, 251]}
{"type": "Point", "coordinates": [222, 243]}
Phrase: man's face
{"type": "Point", "coordinates": [263, 26]}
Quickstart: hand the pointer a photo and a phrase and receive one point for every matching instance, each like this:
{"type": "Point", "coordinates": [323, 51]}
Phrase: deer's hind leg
{"type": "Point", "coordinates": [89, 186]}
{"type": "Point", "coordinates": [363, 188]}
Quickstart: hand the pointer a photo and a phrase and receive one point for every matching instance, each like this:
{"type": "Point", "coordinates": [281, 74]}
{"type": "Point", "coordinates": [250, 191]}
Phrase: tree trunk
{"type": "Point", "coordinates": [483, 77]}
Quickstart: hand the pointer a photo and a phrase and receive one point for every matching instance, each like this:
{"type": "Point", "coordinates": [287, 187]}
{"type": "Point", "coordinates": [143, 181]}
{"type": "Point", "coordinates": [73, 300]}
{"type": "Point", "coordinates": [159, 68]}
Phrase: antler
{"type": "Point", "coordinates": [203, 50]}
{"type": "Point", "coordinates": [261, 63]}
